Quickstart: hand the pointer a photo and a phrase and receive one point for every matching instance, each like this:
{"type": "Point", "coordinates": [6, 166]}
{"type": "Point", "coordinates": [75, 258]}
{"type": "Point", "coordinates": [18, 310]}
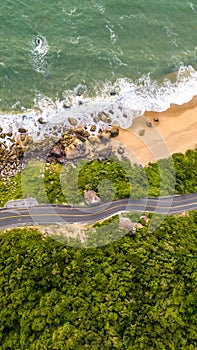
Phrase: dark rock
{"type": "Point", "coordinates": [120, 150]}
{"type": "Point", "coordinates": [149, 124]}
{"type": "Point", "coordinates": [113, 93]}
{"type": "Point", "coordinates": [67, 104]}
{"type": "Point", "coordinates": [56, 151]}
{"type": "Point", "coordinates": [111, 112]}
{"type": "Point", "coordinates": [72, 121]}
{"type": "Point", "coordinates": [105, 135]}
{"type": "Point", "coordinates": [114, 132]}
{"type": "Point", "coordinates": [96, 119]}
{"type": "Point", "coordinates": [104, 117]}
{"type": "Point", "coordinates": [22, 130]}
{"type": "Point", "coordinates": [156, 119]}
{"type": "Point", "coordinates": [93, 128]}
{"type": "Point", "coordinates": [9, 134]}
{"type": "Point", "coordinates": [41, 121]}
{"type": "Point", "coordinates": [81, 138]}
{"type": "Point", "coordinates": [2, 135]}
{"type": "Point", "coordinates": [82, 132]}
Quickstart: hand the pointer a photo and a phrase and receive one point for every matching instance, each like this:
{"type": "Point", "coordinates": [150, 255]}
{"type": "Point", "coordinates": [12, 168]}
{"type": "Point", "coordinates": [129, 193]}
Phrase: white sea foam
{"type": "Point", "coordinates": [70, 12]}
{"type": "Point", "coordinates": [99, 6]}
{"type": "Point", "coordinates": [171, 34]}
{"type": "Point", "coordinates": [38, 55]}
{"type": "Point", "coordinates": [110, 28]}
{"type": "Point", "coordinates": [131, 100]}
{"type": "Point", "coordinates": [191, 5]}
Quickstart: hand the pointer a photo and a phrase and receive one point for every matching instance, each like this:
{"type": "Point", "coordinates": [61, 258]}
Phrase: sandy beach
{"type": "Point", "coordinates": [158, 135]}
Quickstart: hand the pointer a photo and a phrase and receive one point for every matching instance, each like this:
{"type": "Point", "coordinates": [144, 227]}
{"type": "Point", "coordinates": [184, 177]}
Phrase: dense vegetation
{"type": "Point", "coordinates": [111, 179]}
{"type": "Point", "coordinates": [138, 293]}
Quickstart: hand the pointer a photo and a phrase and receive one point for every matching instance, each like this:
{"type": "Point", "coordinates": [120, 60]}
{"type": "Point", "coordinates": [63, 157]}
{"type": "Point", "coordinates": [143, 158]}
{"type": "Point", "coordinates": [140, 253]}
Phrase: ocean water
{"type": "Point", "coordinates": [144, 51]}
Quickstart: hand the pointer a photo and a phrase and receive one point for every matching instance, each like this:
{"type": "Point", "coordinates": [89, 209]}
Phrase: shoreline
{"type": "Point", "coordinates": [152, 136]}
{"type": "Point", "coordinates": [157, 135]}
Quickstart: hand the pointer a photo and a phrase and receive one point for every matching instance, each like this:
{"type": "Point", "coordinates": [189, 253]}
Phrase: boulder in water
{"type": "Point", "coordinates": [41, 121]}
{"type": "Point", "coordinates": [72, 121]}
{"type": "Point", "coordinates": [22, 130]}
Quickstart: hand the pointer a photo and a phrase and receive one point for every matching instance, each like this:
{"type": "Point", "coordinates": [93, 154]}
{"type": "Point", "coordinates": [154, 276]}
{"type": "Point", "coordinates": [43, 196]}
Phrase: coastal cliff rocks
{"type": "Point", "coordinates": [75, 143]}
{"type": "Point", "coordinates": [80, 143]}
{"type": "Point", "coordinates": [11, 157]}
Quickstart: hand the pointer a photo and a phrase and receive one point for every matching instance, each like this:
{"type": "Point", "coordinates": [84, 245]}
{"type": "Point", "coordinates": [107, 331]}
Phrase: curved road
{"type": "Point", "coordinates": [62, 214]}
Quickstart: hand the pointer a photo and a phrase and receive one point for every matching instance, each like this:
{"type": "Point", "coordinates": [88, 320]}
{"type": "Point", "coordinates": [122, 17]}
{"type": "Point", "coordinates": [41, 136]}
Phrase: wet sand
{"type": "Point", "coordinates": [158, 135]}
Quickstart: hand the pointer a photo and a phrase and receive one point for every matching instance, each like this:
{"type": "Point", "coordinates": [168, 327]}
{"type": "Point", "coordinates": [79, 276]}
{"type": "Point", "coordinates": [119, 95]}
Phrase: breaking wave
{"type": "Point", "coordinates": [120, 103]}
{"type": "Point", "coordinates": [38, 56]}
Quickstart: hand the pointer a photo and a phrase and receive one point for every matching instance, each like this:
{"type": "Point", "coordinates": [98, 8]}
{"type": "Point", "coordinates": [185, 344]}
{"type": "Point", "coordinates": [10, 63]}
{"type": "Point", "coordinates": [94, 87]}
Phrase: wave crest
{"type": "Point", "coordinates": [122, 102]}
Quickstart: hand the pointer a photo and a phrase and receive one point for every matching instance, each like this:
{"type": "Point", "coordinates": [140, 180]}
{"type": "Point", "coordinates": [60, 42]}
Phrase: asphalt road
{"type": "Point", "coordinates": [62, 214]}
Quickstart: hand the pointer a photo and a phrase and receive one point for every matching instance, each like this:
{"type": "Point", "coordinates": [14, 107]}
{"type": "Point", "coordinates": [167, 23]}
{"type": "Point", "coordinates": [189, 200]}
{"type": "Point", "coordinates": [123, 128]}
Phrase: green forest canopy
{"type": "Point", "coordinates": [138, 293]}
{"type": "Point", "coordinates": [111, 179]}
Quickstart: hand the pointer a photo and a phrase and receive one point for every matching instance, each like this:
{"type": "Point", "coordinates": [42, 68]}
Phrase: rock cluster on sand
{"type": "Point", "coordinates": [76, 143]}
{"type": "Point", "coordinates": [11, 156]}
{"type": "Point", "coordinates": [79, 143]}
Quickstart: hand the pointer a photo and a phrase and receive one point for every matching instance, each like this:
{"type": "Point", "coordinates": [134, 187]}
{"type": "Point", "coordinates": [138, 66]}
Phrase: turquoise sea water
{"type": "Point", "coordinates": [96, 46]}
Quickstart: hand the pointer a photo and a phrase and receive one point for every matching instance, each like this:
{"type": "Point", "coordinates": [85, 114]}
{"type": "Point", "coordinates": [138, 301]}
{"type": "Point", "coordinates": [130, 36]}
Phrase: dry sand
{"type": "Point", "coordinates": [174, 130]}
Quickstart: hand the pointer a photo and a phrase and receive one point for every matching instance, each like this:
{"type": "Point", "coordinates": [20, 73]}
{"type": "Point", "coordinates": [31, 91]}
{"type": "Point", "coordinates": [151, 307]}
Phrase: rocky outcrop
{"type": "Point", "coordinates": [91, 197]}
{"type": "Point", "coordinates": [11, 158]}
{"type": "Point", "coordinates": [127, 224]}
{"type": "Point", "coordinates": [105, 135]}
{"type": "Point", "coordinates": [75, 143]}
